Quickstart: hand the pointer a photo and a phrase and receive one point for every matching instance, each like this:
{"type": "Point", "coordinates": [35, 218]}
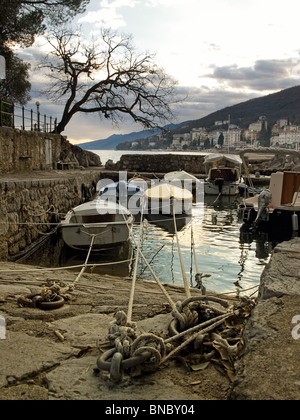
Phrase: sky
{"type": "Point", "coordinates": [221, 52]}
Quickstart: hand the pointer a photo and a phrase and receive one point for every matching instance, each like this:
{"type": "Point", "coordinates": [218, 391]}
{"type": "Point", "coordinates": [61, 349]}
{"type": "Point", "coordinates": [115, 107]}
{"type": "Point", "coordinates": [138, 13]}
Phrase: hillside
{"type": "Point", "coordinates": [112, 142]}
{"type": "Point", "coordinates": [283, 104]}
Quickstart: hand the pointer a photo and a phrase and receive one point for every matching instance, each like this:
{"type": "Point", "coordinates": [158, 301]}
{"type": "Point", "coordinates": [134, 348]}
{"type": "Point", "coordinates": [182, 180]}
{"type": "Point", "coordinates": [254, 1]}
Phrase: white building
{"type": "Point", "coordinates": [282, 122]}
{"type": "Point", "coordinates": [232, 137]}
{"type": "Point", "coordinates": [258, 125]}
{"type": "Point", "coordinates": [180, 140]}
{"type": "Point", "coordinates": [289, 139]}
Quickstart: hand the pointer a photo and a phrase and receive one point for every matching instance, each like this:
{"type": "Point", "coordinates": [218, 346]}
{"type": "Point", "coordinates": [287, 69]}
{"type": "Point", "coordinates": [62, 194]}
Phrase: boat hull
{"type": "Point", "coordinates": [105, 236]}
{"type": "Point", "coordinates": [227, 190]}
{"type": "Point", "coordinates": [107, 223]}
{"type": "Point", "coordinates": [279, 220]}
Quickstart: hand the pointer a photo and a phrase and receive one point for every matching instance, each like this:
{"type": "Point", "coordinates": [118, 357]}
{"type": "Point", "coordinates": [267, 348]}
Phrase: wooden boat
{"type": "Point", "coordinates": [168, 199]}
{"type": "Point", "coordinates": [223, 174]}
{"type": "Point", "coordinates": [277, 207]}
{"type": "Point", "coordinates": [106, 222]}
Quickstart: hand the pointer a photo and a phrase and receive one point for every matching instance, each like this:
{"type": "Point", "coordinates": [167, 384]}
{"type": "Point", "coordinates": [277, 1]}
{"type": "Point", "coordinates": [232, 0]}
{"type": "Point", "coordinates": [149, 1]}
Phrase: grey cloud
{"type": "Point", "coordinates": [203, 101]}
{"type": "Point", "coordinates": [264, 75]}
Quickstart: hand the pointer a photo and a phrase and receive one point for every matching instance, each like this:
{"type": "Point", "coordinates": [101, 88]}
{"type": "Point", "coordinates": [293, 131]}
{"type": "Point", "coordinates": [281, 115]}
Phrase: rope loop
{"type": "Point", "coordinates": [152, 344]}
{"type": "Point", "coordinates": [193, 311]}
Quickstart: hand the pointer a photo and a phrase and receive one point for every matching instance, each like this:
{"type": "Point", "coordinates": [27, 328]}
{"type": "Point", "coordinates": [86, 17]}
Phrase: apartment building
{"type": "Point", "coordinates": [287, 138]}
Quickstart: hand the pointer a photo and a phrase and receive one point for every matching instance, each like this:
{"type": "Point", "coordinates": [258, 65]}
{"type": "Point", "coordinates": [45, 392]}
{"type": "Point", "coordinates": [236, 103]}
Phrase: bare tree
{"type": "Point", "coordinates": [109, 77]}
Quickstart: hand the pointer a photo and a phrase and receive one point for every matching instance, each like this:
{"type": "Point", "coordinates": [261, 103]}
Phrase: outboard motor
{"type": "Point", "coordinates": [243, 190]}
{"type": "Point", "coordinates": [264, 201]}
{"type": "Point", "coordinates": [219, 182]}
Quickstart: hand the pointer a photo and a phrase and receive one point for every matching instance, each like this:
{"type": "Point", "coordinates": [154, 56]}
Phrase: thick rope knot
{"type": "Point", "coordinates": [148, 343]}
{"type": "Point", "coordinates": [191, 316]}
{"type": "Point", "coordinates": [186, 315]}
{"type": "Point", "coordinates": [122, 333]}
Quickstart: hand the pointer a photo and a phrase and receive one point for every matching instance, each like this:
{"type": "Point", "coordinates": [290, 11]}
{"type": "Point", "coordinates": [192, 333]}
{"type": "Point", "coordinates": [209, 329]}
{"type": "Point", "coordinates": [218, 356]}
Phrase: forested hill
{"type": "Point", "coordinates": [283, 104]}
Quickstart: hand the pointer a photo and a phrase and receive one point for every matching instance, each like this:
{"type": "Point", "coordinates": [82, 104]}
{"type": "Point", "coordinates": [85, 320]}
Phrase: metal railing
{"type": "Point", "coordinates": [15, 116]}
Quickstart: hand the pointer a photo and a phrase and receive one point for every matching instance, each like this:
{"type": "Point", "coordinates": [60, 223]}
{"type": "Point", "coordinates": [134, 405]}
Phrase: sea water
{"type": "Point", "coordinates": [226, 253]}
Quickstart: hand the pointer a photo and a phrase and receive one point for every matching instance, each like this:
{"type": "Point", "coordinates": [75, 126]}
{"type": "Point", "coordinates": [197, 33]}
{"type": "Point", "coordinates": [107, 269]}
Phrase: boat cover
{"type": "Point", "coordinates": [166, 191]}
{"type": "Point", "coordinates": [215, 157]}
{"type": "Point", "coordinates": [180, 175]}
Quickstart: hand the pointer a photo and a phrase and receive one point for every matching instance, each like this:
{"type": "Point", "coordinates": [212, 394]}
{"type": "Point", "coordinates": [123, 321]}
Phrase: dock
{"type": "Point", "coordinates": [52, 355]}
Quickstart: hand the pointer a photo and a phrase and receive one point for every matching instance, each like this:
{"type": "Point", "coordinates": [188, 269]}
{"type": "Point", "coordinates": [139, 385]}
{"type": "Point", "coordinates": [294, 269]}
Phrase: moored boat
{"type": "Point", "coordinates": [105, 222]}
{"type": "Point", "coordinates": [166, 198]}
{"type": "Point", "coordinates": [223, 174]}
{"type": "Point", "coordinates": [277, 207]}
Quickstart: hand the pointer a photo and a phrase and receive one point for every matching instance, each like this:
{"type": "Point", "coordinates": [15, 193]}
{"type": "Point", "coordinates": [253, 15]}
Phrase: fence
{"type": "Point", "coordinates": [15, 116]}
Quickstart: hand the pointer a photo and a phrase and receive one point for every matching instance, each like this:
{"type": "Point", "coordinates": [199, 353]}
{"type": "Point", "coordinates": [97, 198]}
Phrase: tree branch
{"type": "Point", "coordinates": [108, 78]}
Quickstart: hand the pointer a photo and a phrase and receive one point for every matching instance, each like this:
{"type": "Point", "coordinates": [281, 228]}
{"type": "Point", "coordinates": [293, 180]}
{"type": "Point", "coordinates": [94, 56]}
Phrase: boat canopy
{"type": "Point", "coordinates": [180, 175]}
{"type": "Point", "coordinates": [217, 158]}
{"type": "Point", "coordinates": [166, 191]}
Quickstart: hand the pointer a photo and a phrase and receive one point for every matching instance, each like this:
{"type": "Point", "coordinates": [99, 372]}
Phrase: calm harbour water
{"type": "Point", "coordinates": [223, 250]}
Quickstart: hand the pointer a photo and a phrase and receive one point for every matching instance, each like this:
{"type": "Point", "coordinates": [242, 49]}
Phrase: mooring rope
{"type": "Point", "coordinates": [86, 260]}
{"type": "Point", "coordinates": [216, 322]}
{"type": "Point", "coordinates": [130, 304]}
{"type": "Point", "coordinates": [185, 281]}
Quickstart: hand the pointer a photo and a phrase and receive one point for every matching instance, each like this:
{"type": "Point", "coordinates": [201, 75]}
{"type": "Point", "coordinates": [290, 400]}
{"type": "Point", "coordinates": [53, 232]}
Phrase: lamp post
{"type": "Point", "coordinates": [38, 115]}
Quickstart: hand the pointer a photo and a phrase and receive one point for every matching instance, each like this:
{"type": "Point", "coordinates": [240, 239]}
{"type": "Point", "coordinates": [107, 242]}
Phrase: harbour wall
{"type": "Point", "coordinates": [160, 163]}
{"type": "Point", "coordinates": [34, 151]}
{"type": "Point", "coordinates": [27, 150]}
{"type": "Point", "coordinates": [30, 207]}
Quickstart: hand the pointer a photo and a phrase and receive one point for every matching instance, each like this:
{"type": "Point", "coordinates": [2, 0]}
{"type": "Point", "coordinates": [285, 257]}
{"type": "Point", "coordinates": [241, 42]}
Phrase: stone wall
{"type": "Point", "coordinates": [160, 163]}
{"type": "Point", "coordinates": [26, 150]}
{"type": "Point", "coordinates": [22, 151]}
{"type": "Point", "coordinates": [29, 206]}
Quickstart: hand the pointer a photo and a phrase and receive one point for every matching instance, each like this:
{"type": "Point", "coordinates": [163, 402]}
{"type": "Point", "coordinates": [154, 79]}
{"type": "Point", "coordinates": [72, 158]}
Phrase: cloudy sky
{"type": "Point", "coordinates": [221, 52]}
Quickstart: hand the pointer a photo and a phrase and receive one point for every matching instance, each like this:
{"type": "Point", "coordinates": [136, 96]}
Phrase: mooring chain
{"type": "Point", "coordinates": [146, 352]}
{"type": "Point", "coordinates": [137, 354]}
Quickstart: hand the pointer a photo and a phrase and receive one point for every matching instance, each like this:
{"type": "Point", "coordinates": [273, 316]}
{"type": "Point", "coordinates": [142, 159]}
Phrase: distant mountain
{"type": "Point", "coordinates": [112, 142]}
{"type": "Point", "coordinates": [283, 104]}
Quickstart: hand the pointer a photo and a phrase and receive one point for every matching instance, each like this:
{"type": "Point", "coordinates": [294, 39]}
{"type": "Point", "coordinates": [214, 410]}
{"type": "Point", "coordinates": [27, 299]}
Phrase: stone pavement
{"type": "Point", "coordinates": [52, 354]}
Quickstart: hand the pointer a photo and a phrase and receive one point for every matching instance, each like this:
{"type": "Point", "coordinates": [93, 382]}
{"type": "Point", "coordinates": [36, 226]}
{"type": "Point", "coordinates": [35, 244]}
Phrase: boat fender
{"type": "Point", "coordinates": [295, 222]}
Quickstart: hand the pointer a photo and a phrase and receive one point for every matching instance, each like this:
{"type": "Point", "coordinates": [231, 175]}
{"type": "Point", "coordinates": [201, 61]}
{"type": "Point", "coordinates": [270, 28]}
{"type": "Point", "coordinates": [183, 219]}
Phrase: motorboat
{"type": "Point", "coordinates": [102, 223]}
{"type": "Point", "coordinates": [223, 174]}
{"type": "Point", "coordinates": [168, 199]}
{"type": "Point", "coordinates": [277, 207]}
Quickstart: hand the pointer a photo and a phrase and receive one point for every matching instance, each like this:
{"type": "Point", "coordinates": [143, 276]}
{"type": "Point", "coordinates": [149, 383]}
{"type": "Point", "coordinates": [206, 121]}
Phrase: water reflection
{"type": "Point", "coordinates": [224, 249]}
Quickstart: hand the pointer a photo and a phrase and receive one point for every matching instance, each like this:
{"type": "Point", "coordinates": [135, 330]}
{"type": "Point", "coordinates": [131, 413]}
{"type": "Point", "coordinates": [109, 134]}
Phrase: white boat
{"type": "Point", "coordinates": [106, 222]}
{"type": "Point", "coordinates": [277, 207]}
{"type": "Point", "coordinates": [168, 199]}
{"type": "Point", "coordinates": [223, 174]}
